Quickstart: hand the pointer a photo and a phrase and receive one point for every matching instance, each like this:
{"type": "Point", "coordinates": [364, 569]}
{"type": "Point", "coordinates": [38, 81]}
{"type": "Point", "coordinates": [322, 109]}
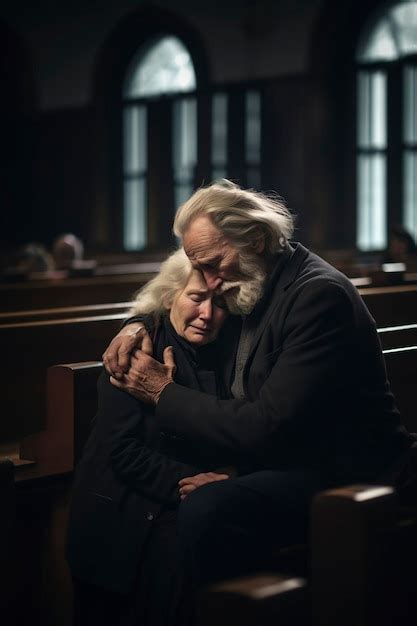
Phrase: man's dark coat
{"type": "Point", "coordinates": [317, 394]}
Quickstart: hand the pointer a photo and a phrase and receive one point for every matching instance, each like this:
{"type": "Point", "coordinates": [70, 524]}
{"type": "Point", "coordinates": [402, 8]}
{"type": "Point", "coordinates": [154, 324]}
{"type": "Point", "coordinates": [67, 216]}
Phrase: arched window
{"type": "Point", "coordinates": [386, 144]}
{"type": "Point", "coordinates": [159, 136]}
{"type": "Point", "coordinates": [178, 130]}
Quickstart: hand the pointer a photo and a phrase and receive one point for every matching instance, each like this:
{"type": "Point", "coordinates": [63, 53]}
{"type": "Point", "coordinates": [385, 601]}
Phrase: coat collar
{"type": "Point", "coordinates": [284, 274]}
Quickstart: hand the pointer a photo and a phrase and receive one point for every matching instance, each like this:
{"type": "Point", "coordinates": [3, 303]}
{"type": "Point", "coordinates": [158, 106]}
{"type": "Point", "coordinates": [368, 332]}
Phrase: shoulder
{"type": "Point", "coordinates": [316, 276]}
{"type": "Point", "coordinates": [319, 290]}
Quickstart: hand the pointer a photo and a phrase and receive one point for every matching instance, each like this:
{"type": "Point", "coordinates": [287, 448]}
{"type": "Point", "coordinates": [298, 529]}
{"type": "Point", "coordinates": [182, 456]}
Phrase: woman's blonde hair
{"type": "Point", "coordinates": [157, 296]}
{"type": "Point", "coordinates": [244, 216]}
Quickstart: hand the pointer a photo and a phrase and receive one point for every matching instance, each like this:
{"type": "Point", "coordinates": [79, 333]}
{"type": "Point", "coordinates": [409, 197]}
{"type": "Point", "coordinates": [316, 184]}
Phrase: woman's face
{"type": "Point", "coordinates": [196, 312]}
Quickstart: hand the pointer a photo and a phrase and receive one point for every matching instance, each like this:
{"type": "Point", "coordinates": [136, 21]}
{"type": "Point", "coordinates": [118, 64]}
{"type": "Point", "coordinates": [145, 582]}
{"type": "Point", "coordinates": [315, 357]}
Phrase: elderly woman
{"type": "Point", "coordinates": [122, 548]}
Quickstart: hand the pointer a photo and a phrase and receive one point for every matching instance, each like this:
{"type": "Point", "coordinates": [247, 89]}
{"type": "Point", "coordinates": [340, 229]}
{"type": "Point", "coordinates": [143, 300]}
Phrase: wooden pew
{"type": "Point", "coordinates": [39, 315]}
{"type": "Point", "coordinates": [71, 403]}
{"type": "Point", "coordinates": [7, 504]}
{"type": "Point", "coordinates": [7, 522]}
{"type": "Point", "coordinates": [28, 349]}
{"type": "Point", "coordinates": [264, 600]}
{"type": "Point", "coordinates": [42, 294]}
{"type": "Point", "coordinates": [364, 550]}
{"type": "Point", "coordinates": [391, 306]}
{"type": "Point", "coordinates": [402, 372]}
{"type": "Point", "coordinates": [398, 336]}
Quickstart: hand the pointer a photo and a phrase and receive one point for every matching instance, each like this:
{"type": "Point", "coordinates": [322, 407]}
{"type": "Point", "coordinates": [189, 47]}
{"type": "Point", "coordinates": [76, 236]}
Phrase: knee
{"type": "Point", "coordinates": [203, 510]}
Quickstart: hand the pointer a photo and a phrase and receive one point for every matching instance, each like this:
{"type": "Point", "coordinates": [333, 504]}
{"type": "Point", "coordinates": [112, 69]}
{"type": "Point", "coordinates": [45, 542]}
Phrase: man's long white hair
{"type": "Point", "coordinates": [244, 216]}
{"type": "Point", "coordinates": [157, 296]}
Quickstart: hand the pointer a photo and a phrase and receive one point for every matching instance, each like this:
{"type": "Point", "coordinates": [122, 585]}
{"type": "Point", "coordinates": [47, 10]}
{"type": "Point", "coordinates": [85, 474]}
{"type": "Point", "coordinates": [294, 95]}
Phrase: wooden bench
{"type": "Point", "coordinates": [39, 315]}
{"type": "Point", "coordinates": [398, 336]}
{"type": "Point", "coordinates": [402, 373]}
{"type": "Point", "coordinates": [364, 550]}
{"type": "Point", "coordinates": [42, 294]}
{"type": "Point", "coordinates": [28, 349]}
{"type": "Point", "coordinates": [70, 407]}
{"type": "Point", "coordinates": [391, 306]}
{"type": "Point", "coordinates": [8, 505]}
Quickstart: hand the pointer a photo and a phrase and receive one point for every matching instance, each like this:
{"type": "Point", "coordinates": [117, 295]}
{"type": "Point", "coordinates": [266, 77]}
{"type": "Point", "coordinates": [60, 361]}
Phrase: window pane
{"type": "Point", "coordinates": [184, 154]}
{"type": "Point", "coordinates": [218, 172]}
{"type": "Point", "coordinates": [135, 222]}
{"type": "Point", "coordinates": [166, 67]}
{"type": "Point", "coordinates": [185, 133]}
{"type": "Point", "coordinates": [135, 139]}
{"type": "Point", "coordinates": [253, 138]}
{"type": "Point", "coordinates": [404, 17]}
{"type": "Point", "coordinates": [379, 45]}
{"type": "Point", "coordinates": [410, 105]}
{"type": "Point", "coordinates": [219, 136]}
{"type": "Point", "coordinates": [410, 191]}
{"type": "Point", "coordinates": [393, 35]}
{"type": "Point", "coordinates": [253, 127]}
{"type": "Point", "coordinates": [253, 177]}
{"type": "Point", "coordinates": [371, 202]}
{"type": "Point", "coordinates": [372, 113]}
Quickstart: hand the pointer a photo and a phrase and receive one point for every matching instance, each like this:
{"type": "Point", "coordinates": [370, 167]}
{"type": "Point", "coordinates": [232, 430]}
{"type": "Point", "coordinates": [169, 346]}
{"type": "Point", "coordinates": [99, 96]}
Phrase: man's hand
{"type": "Point", "coordinates": [117, 356]}
{"type": "Point", "coordinates": [146, 378]}
{"type": "Point", "coordinates": [189, 484]}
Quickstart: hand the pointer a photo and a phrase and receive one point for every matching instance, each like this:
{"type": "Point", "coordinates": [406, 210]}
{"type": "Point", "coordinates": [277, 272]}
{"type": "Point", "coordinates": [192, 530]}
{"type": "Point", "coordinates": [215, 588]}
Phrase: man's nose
{"type": "Point", "coordinates": [212, 279]}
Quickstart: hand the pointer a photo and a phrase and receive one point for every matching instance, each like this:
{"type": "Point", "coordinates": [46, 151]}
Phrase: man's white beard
{"type": "Point", "coordinates": [242, 295]}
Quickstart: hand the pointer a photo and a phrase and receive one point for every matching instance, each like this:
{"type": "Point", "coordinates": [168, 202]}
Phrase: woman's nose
{"type": "Point", "coordinates": [206, 309]}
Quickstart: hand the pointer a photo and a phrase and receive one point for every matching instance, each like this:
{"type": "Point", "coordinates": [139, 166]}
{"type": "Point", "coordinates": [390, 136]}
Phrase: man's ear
{"type": "Point", "coordinates": [258, 244]}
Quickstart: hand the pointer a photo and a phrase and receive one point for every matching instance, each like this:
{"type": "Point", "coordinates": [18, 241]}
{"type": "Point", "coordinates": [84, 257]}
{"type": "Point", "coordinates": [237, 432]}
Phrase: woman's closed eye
{"type": "Point", "coordinates": [195, 297]}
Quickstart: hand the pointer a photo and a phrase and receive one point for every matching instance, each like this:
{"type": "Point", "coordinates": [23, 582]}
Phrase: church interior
{"type": "Point", "coordinates": [112, 114]}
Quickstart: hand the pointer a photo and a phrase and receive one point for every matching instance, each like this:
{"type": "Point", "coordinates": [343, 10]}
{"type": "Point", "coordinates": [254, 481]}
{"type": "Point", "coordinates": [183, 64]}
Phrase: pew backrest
{"type": "Point", "coordinates": [70, 292]}
{"type": "Point", "coordinates": [29, 348]}
{"type": "Point", "coordinates": [40, 315]}
{"type": "Point", "coordinates": [401, 336]}
{"type": "Point", "coordinates": [391, 306]}
{"type": "Point", "coordinates": [402, 373]}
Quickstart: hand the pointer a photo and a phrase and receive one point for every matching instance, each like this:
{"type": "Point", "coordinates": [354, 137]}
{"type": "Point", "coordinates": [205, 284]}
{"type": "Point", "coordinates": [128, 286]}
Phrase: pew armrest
{"type": "Point", "coordinates": [266, 599]}
{"type": "Point", "coordinates": [71, 405]}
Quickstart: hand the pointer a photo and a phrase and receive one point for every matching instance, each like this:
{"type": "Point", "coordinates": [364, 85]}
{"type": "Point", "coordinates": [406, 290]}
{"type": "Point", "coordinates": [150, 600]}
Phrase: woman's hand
{"type": "Point", "coordinates": [187, 485]}
{"type": "Point", "coordinates": [117, 357]}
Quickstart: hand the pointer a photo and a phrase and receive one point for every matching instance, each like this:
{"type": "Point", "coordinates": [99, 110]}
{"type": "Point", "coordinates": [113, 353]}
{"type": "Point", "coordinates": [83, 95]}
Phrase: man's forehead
{"type": "Point", "coordinates": [201, 231]}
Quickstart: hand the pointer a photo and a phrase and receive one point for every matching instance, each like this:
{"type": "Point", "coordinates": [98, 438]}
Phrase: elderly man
{"type": "Point", "coordinates": [310, 403]}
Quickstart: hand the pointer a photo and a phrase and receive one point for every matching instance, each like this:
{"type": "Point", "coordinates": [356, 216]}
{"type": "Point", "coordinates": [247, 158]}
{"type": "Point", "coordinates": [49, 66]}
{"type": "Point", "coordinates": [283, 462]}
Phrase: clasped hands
{"type": "Point", "coordinates": [131, 367]}
{"type": "Point", "coordinates": [128, 360]}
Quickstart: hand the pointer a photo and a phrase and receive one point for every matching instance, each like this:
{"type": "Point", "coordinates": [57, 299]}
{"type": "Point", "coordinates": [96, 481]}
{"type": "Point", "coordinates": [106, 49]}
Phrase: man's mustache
{"type": "Point", "coordinates": [228, 286]}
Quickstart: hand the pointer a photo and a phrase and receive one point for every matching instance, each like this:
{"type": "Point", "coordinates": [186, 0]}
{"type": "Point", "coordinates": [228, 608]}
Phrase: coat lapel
{"type": "Point", "coordinates": [282, 277]}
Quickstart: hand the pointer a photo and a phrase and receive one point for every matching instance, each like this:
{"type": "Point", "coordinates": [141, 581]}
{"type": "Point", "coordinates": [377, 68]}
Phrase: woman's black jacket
{"type": "Point", "coordinates": [129, 472]}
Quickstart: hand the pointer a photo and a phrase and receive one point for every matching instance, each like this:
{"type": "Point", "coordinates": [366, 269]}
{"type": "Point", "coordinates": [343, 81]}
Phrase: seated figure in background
{"type": "Point", "coordinates": [33, 258]}
{"type": "Point", "coordinates": [401, 247]}
{"type": "Point", "coordinates": [122, 542]}
{"type": "Point", "coordinates": [66, 249]}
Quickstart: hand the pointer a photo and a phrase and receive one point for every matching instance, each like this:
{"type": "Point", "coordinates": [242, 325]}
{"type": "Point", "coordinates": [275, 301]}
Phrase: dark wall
{"type": "Point", "coordinates": [62, 74]}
